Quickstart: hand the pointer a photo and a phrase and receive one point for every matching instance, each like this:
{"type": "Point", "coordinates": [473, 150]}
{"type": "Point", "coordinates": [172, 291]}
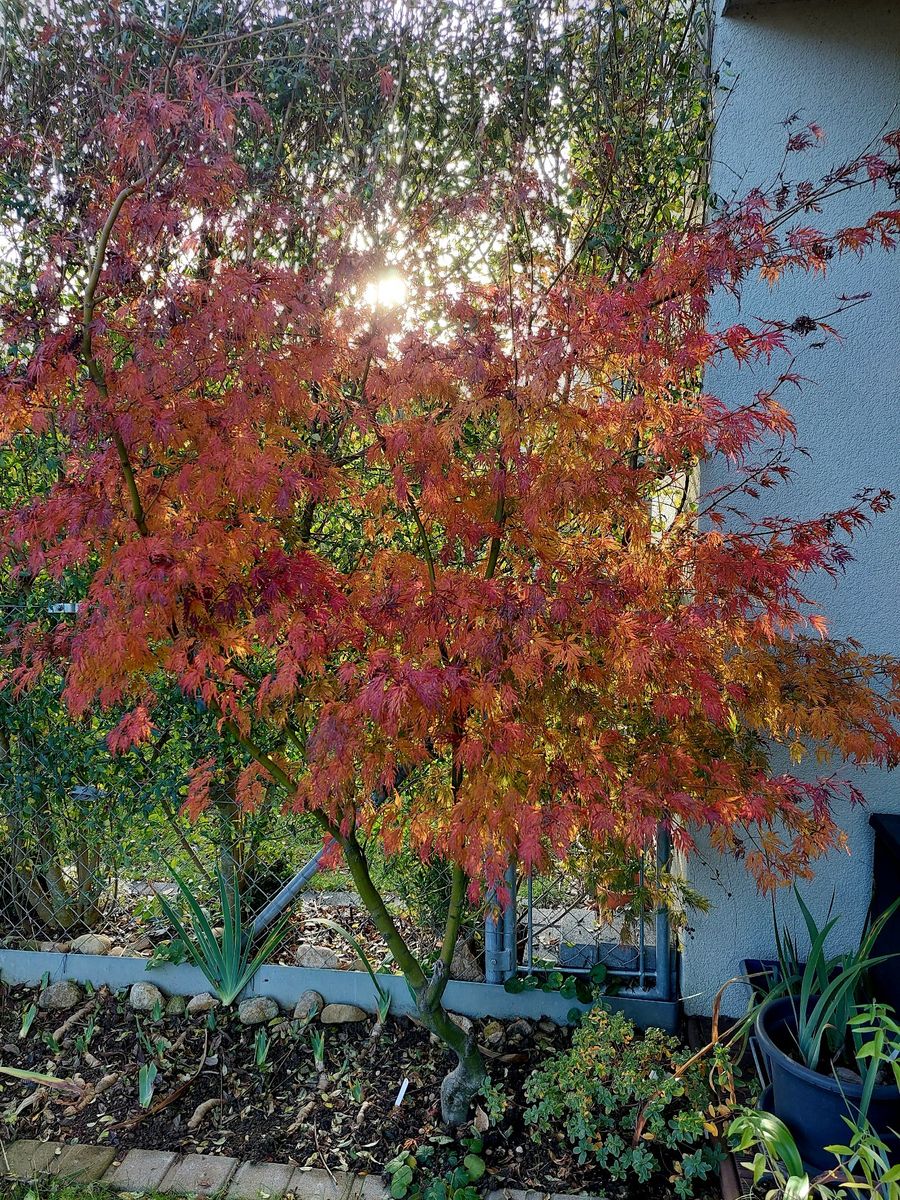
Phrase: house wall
{"type": "Point", "coordinates": [837, 62]}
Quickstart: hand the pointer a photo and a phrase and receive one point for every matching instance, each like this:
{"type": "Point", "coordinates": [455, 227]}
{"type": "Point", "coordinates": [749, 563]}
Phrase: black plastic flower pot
{"type": "Point", "coordinates": [763, 974]}
{"type": "Point", "coordinates": [812, 1105]}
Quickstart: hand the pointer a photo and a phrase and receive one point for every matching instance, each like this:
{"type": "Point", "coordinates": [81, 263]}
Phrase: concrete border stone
{"type": "Point", "coordinates": [140, 1169]}
{"type": "Point", "coordinates": [200, 1175]}
{"type": "Point", "coordinates": [260, 1181]}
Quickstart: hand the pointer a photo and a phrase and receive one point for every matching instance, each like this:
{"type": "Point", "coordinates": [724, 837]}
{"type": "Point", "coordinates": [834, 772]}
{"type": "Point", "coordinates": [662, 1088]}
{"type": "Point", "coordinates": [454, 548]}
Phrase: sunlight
{"type": "Point", "coordinates": [387, 291]}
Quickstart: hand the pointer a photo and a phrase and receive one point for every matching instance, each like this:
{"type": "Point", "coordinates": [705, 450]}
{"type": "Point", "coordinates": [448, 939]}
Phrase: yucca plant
{"type": "Point", "coordinates": [229, 961]}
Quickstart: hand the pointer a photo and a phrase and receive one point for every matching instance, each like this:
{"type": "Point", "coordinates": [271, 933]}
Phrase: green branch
{"type": "Point", "coordinates": [441, 976]}
{"type": "Point", "coordinates": [355, 858]}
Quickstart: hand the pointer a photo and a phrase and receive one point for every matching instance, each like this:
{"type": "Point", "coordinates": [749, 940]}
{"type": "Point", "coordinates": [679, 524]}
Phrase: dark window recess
{"type": "Point", "coordinates": [885, 890]}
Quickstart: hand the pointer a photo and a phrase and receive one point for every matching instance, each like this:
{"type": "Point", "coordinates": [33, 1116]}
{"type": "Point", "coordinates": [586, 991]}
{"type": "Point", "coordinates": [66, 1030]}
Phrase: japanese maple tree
{"type": "Point", "coordinates": [457, 541]}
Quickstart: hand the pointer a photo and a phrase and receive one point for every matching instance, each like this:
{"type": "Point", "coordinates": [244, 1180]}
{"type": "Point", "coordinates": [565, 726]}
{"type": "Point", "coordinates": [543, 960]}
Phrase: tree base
{"type": "Point", "coordinates": [460, 1088]}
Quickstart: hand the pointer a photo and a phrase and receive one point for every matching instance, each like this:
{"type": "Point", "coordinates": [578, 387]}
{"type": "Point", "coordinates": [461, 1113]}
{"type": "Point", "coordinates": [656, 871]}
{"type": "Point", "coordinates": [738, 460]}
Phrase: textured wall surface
{"type": "Point", "coordinates": [837, 62]}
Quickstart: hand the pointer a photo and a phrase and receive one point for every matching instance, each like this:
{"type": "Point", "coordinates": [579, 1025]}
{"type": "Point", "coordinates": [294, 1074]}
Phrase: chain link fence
{"type": "Point", "coordinates": [88, 839]}
{"type": "Point", "coordinates": [565, 923]}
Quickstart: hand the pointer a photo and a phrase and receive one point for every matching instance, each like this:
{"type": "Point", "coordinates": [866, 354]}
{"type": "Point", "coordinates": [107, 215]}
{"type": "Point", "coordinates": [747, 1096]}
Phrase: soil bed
{"type": "Point", "coordinates": [283, 1109]}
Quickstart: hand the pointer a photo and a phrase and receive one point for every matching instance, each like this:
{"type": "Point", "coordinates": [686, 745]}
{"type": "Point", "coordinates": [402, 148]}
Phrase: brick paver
{"type": "Point", "coordinates": [316, 1185]}
{"type": "Point", "coordinates": [27, 1159]}
{"type": "Point", "coordinates": [84, 1163]}
{"type": "Point", "coordinates": [198, 1174]}
{"type": "Point", "coordinates": [140, 1169]}
{"type": "Point", "coordinates": [260, 1181]}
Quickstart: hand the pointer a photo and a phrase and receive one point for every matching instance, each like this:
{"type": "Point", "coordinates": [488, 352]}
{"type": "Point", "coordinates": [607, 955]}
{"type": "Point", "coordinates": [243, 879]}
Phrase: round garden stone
{"type": "Point", "coordinates": [342, 1014]}
{"type": "Point", "coordinates": [309, 955]}
{"type": "Point", "coordinates": [257, 1010]}
{"type": "Point", "coordinates": [309, 1005]}
{"type": "Point", "coordinates": [519, 1030]}
{"type": "Point", "coordinates": [204, 1003]}
{"type": "Point", "coordinates": [63, 994]}
{"type": "Point", "coordinates": [465, 966]}
{"type": "Point", "coordinates": [92, 943]}
{"type": "Point", "coordinates": [144, 997]}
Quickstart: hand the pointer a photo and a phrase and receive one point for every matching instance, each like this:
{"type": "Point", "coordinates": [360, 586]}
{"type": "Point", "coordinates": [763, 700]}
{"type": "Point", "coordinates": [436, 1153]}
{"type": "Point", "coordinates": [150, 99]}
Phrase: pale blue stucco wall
{"type": "Point", "coordinates": [838, 63]}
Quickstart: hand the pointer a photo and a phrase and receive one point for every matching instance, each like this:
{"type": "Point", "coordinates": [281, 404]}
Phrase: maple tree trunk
{"type": "Point", "coordinates": [463, 1083]}
{"type": "Point", "coordinates": [460, 1087]}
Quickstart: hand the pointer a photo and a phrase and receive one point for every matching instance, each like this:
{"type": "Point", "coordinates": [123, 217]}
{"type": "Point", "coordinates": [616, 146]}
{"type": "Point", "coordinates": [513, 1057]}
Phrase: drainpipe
{"type": "Point", "coordinates": [285, 897]}
{"type": "Point", "coordinates": [509, 923]}
{"type": "Point", "coordinates": [663, 933]}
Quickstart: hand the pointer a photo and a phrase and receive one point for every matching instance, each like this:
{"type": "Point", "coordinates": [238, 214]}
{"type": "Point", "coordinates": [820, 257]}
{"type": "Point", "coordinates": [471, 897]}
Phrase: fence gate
{"type": "Point", "coordinates": [555, 925]}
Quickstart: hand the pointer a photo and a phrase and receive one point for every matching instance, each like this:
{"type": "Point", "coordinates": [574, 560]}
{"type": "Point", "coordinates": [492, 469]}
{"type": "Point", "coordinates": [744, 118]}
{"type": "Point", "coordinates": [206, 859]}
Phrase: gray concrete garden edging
{"type": "Point", "coordinates": [286, 984]}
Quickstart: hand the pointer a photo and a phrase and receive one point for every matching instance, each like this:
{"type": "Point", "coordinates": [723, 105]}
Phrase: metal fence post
{"type": "Point", "coordinates": [664, 980]}
{"type": "Point", "coordinates": [500, 933]}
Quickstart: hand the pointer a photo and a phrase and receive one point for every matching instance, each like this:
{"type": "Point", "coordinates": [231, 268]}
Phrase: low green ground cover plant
{"type": "Point", "coordinates": [412, 1175]}
{"type": "Point", "coordinates": [636, 1105]}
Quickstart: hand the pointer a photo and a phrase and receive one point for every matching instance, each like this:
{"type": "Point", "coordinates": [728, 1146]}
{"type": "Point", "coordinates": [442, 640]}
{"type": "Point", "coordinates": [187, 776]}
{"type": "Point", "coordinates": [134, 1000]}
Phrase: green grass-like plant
{"type": "Point", "coordinates": [861, 1168]}
{"type": "Point", "coordinates": [229, 961]}
{"type": "Point", "coordinates": [360, 950]}
{"type": "Point", "coordinates": [827, 990]}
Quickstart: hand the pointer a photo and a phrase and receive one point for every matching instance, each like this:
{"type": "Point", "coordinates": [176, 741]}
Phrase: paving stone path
{"type": "Point", "coordinates": [197, 1175]}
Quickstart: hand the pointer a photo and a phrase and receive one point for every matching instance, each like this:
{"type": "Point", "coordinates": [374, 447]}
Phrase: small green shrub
{"type": "Point", "coordinates": [412, 1176]}
{"type": "Point", "coordinates": [614, 1095]}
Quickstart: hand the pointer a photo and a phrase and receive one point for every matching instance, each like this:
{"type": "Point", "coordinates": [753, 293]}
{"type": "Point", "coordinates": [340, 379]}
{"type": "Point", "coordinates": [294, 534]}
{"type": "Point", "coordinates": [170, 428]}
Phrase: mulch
{"type": "Point", "coordinates": [213, 1096]}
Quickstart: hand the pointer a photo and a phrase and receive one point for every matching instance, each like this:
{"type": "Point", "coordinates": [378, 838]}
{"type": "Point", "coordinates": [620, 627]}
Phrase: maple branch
{"type": "Point", "coordinates": [97, 267]}
{"type": "Point", "coordinates": [95, 370]}
{"type": "Point", "coordinates": [441, 972]}
{"type": "Point", "coordinates": [426, 545]}
{"type": "Point", "coordinates": [357, 864]}
{"type": "Point", "coordinates": [268, 763]}
{"type": "Point", "coordinates": [355, 857]}
{"type": "Point", "coordinates": [441, 975]}
{"type": "Point", "coordinates": [306, 520]}
{"type": "Point", "coordinates": [494, 551]}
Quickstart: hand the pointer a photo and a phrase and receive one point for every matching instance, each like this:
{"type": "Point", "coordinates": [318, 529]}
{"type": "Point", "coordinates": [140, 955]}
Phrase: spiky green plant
{"type": "Point", "coordinates": [228, 962]}
{"type": "Point", "coordinates": [828, 997]}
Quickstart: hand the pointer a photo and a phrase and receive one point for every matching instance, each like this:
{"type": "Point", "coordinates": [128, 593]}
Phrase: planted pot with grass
{"type": "Point", "coordinates": [832, 1053]}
